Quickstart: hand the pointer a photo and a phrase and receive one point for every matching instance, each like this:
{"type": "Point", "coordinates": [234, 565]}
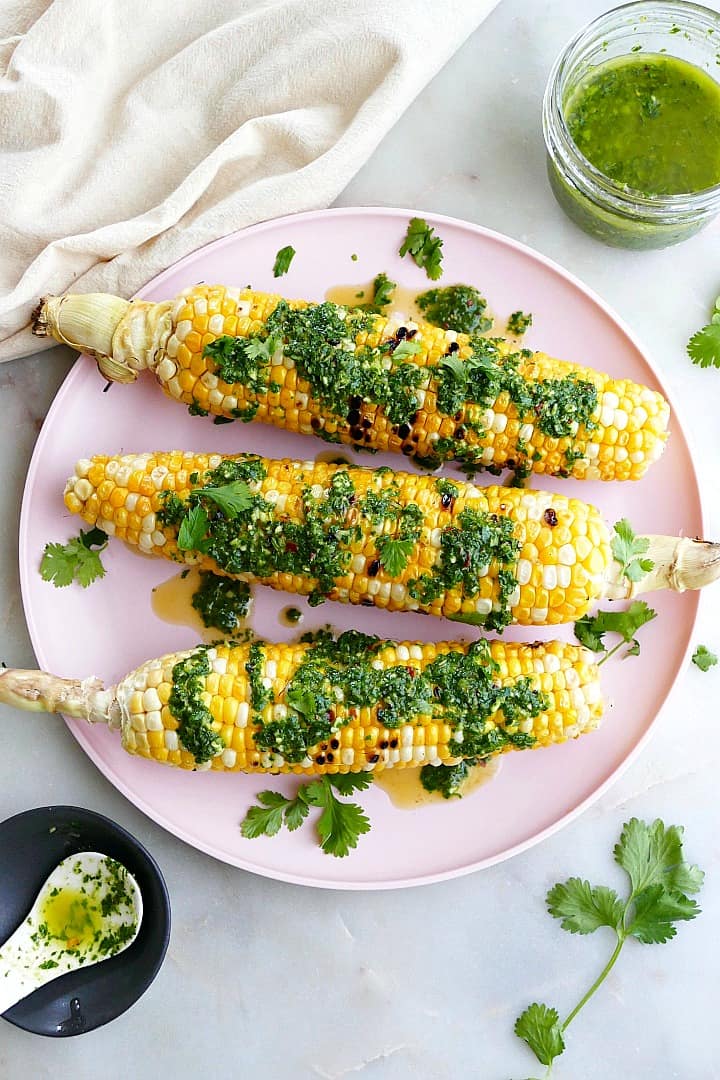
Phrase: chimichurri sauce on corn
{"type": "Point", "coordinates": [650, 123]}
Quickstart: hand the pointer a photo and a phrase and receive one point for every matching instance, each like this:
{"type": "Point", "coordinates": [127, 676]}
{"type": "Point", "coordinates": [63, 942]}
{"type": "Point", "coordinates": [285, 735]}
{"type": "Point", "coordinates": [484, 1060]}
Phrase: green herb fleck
{"type": "Point", "coordinates": [282, 260]}
{"type": "Point", "coordinates": [703, 658]}
{"type": "Point", "coordinates": [519, 323]}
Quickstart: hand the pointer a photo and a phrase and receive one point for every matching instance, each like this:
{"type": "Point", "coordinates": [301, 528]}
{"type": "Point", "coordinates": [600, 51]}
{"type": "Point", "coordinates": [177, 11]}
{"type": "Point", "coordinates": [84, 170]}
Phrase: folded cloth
{"type": "Point", "coordinates": [133, 132]}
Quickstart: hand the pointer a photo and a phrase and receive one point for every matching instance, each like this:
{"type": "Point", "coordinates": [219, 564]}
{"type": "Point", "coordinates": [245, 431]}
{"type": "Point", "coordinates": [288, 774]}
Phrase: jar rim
{"type": "Point", "coordinates": [559, 142]}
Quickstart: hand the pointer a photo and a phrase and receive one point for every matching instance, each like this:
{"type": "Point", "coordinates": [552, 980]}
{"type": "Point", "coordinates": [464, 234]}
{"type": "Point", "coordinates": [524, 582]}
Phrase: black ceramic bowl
{"type": "Point", "coordinates": [31, 846]}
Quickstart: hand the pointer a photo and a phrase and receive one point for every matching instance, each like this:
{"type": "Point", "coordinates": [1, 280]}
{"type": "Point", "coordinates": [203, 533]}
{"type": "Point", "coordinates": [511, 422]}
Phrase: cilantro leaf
{"type": "Point", "coordinates": [583, 908]}
{"type": "Point", "coordinates": [302, 701]}
{"type": "Point", "coordinates": [340, 824]}
{"type": "Point", "coordinates": [296, 811]}
{"type": "Point", "coordinates": [591, 629]}
{"type": "Point", "coordinates": [703, 658]}
{"type": "Point", "coordinates": [394, 553]}
{"type": "Point", "coordinates": [405, 349]}
{"type": "Point", "coordinates": [424, 247]}
{"type": "Point", "coordinates": [232, 498]}
{"type": "Point", "coordinates": [262, 348]}
{"type": "Point", "coordinates": [655, 910]}
{"type": "Point", "coordinates": [346, 783]}
{"type": "Point", "coordinates": [383, 289]}
{"type": "Point", "coordinates": [75, 561]}
{"type": "Point", "coordinates": [539, 1026]}
{"type": "Point", "coordinates": [266, 819]}
{"type": "Point", "coordinates": [652, 855]}
{"type": "Point", "coordinates": [627, 549]}
{"type": "Point", "coordinates": [704, 346]}
{"type": "Point", "coordinates": [282, 260]}
{"type": "Point", "coordinates": [193, 530]}
{"type": "Point", "coordinates": [588, 635]}
{"type": "Point", "coordinates": [660, 880]}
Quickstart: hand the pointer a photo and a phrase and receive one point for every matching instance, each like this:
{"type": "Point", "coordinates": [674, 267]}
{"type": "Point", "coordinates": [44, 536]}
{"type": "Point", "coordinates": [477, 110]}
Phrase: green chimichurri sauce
{"type": "Point", "coordinates": [455, 307]}
{"type": "Point", "coordinates": [650, 123]}
{"type": "Point", "coordinates": [220, 601]}
{"type": "Point", "coordinates": [337, 677]}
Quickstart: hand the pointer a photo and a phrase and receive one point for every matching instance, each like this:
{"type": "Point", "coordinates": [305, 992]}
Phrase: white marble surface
{"type": "Point", "coordinates": [278, 982]}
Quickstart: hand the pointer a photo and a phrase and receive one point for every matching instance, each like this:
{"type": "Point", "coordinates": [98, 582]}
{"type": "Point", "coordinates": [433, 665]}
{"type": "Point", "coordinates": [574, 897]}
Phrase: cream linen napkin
{"type": "Point", "coordinates": [134, 131]}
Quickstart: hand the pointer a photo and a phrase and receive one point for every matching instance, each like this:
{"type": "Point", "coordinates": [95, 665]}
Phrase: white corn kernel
{"type": "Point", "coordinates": [171, 740]}
{"type": "Point", "coordinates": [242, 715]}
{"type": "Point", "coordinates": [151, 699]}
{"type": "Point", "coordinates": [216, 324]}
{"type": "Point", "coordinates": [166, 369]}
{"type": "Point", "coordinates": [549, 578]}
{"type": "Point", "coordinates": [153, 721]}
{"type": "Point", "coordinates": [566, 555]}
{"type": "Point", "coordinates": [524, 571]}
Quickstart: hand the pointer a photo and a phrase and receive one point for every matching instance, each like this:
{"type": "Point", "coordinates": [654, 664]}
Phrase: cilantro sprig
{"type": "Point", "coordinates": [340, 824]}
{"type": "Point", "coordinates": [627, 549]}
{"type": "Point", "coordinates": [591, 629]}
{"type": "Point", "coordinates": [661, 884]}
{"type": "Point", "coordinates": [703, 658]}
{"type": "Point", "coordinates": [704, 346]}
{"type": "Point", "coordinates": [75, 561]}
{"type": "Point", "coordinates": [282, 260]}
{"type": "Point", "coordinates": [425, 247]}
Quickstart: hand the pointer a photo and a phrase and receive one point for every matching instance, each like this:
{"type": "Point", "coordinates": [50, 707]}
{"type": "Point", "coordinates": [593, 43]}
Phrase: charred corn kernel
{"type": "Point", "coordinates": [169, 339]}
{"type": "Point", "coordinates": [555, 581]}
{"type": "Point", "coordinates": [566, 674]}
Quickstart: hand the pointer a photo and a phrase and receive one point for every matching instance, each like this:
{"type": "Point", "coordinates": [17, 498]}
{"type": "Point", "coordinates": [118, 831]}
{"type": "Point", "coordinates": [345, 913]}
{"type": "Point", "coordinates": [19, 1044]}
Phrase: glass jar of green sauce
{"type": "Point", "coordinates": [631, 119]}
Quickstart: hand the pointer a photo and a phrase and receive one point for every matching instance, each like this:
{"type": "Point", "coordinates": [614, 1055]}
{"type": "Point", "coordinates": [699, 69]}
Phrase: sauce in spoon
{"type": "Point", "coordinates": [88, 910]}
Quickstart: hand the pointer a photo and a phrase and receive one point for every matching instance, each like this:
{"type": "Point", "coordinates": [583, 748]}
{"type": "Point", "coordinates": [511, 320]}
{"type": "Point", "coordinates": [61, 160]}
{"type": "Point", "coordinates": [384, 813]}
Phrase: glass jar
{"type": "Point", "coordinates": [609, 211]}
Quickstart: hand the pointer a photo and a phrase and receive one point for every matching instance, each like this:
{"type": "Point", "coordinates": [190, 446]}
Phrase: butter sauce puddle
{"type": "Point", "coordinates": [404, 788]}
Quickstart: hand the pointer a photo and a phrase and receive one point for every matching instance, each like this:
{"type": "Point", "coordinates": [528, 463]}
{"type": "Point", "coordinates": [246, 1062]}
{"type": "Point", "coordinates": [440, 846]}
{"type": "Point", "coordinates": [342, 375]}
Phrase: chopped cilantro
{"type": "Point", "coordinates": [195, 729]}
{"type": "Point", "coordinates": [447, 779]}
{"type": "Point", "coordinates": [455, 307]}
{"type": "Point", "coordinates": [383, 289]}
{"type": "Point", "coordinates": [519, 323]}
{"type": "Point", "coordinates": [221, 602]}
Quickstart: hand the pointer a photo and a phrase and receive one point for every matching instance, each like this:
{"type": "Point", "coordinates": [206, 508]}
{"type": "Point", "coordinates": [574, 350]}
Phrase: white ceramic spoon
{"type": "Point", "coordinates": [88, 910]}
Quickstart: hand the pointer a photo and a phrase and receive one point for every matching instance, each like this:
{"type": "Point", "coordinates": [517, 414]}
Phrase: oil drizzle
{"type": "Point", "coordinates": [171, 601]}
{"type": "Point", "coordinates": [403, 299]}
{"type": "Point", "coordinates": [404, 788]}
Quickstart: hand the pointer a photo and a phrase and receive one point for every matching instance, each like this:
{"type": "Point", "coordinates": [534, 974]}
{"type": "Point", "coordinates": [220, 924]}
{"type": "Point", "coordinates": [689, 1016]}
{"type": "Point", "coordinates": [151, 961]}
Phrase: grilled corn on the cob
{"type": "Point", "coordinates": [393, 540]}
{"type": "Point", "coordinates": [366, 380]}
{"type": "Point", "coordinates": [346, 705]}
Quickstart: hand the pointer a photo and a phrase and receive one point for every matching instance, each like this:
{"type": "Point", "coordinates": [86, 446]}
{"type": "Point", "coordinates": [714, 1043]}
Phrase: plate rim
{"type": "Point", "coordinates": [396, 883]}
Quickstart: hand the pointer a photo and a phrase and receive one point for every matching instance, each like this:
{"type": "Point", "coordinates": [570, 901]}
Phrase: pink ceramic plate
{"type": "Point", "coordinates": [110, 628]}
